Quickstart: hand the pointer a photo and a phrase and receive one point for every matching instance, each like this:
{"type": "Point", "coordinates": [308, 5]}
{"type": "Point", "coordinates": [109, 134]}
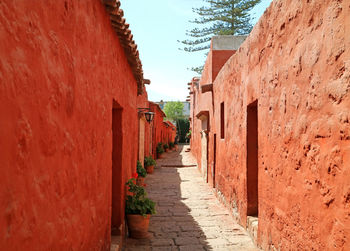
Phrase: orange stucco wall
{"type": "Point", "coordinates": [157, 127]}
{"type": "Point", "coordinates": [161, 132]}
{"type": "Point", "coordinates": [142, 102]}
{"type": "Point", "coordinates": [296, 65]}
{"type": "Point", "coordinates": [61, 67]}
{"type": "Point", "coordinates": [219, 58]}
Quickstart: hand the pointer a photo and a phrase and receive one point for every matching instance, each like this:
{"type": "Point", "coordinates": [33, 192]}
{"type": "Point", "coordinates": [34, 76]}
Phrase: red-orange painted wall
{"type": "Point", "coordinates": [171, 132]}
{"type": "Point", "coordinates": [219, 58]}
{"type": "Point", "coordinates": [61, 66]}
{"type": "Point", "coordinates": [162, 132]}
{"type": "Point", "coordinates": [158, 128]}
{"type": "Point", "coordinates": [204, 102]}
{"type": "Point", "coordinates": [166, 134]}
{"type": "Point", "coordinates": [296, 64]}
{"type": "Point", "coordinates": [200, 102]}
{"type": "Point", "coordinates": [142, 102]}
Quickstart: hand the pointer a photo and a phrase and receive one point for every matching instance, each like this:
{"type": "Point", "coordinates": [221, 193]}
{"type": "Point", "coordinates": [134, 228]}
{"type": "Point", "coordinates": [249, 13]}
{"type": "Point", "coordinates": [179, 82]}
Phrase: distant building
{"type": "Point", "coordinates": [186, 110]}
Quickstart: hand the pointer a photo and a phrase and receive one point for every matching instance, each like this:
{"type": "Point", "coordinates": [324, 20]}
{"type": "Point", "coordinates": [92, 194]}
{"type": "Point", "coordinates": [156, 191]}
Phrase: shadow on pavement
{"type": "Point", "coordinates": [189, 216]}
{"type": "Point", "coordinates": [173, 227]}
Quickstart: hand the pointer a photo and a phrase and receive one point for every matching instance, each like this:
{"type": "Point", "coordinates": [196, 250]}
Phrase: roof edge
{"type": "Point", "coordinates": [120, 26]}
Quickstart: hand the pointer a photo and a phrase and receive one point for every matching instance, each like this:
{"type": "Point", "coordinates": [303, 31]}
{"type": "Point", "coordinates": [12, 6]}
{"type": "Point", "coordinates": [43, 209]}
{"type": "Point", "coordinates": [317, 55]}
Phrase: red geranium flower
{"type": "Point", "coordinates": [144, 185]}
{"type": "Point", "coordinates": [135, 175]}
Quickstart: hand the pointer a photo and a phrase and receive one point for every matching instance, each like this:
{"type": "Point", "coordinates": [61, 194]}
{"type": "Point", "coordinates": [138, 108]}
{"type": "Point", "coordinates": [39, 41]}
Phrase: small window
{"type": "Point", "coordinates": [222, 120]}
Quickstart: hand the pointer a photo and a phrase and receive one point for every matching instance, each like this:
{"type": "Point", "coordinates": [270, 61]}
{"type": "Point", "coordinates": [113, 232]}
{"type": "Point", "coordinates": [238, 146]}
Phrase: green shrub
{"type": "Point", "coordinates": [183, 126]}
{"type": "Point", "coordinates": [171, 144]}
{"type": "Point", "coordinates": [149, 161]}
{"type": "Point", "coordinates": [140, 170]}
{"type": "Point", "coordinates": [138, 203]}
{"type": "Point", "coordinates": [160, 148]}
{"type": "Point", "coordinates": [165, 146]}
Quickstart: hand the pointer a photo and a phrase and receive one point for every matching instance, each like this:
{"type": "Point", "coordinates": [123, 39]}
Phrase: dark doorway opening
{"type": "Point", "coordinates": [117, 172]}
{"type": "Point", "coordinates": [207, 153]}
{"type": "Point", "coordinates": [214, 166]}
{"type": "Point", "coordinates": [222, 120]}
{"type": "Point", "coordinates": [252, 159]}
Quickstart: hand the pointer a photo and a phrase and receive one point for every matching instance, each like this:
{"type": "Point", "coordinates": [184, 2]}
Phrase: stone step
{"type": "Point", "coordinates": [116, 243]}
{"type": "Point", "coordinates": [252, 228]}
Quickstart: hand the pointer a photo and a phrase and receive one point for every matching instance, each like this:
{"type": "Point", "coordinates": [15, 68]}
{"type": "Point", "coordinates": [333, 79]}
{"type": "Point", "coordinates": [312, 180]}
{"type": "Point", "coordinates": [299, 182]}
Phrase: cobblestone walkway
{"type": "Point", "coordinates": [189, 217]}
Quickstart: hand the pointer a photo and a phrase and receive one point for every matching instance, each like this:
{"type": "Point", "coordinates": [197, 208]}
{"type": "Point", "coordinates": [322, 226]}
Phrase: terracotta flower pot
{"type": "Point", "coordinates": [149, 169]}
{"type": "Point", "coordinates": [160, 155]}
{"type": "Point", "coordinates": [138, 225]}
{"type": "Point", "coordinates": [140, 181]}
{"type": "Point", "coordinates": [167, 150]}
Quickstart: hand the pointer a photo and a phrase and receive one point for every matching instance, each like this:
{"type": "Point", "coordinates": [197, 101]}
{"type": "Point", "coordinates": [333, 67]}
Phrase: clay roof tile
{"type": "Point", "coordinates": [119, 24]}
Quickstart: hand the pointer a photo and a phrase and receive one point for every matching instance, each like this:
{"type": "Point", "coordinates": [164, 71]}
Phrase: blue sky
{"type": "Point", "coordinates": [156, 26]}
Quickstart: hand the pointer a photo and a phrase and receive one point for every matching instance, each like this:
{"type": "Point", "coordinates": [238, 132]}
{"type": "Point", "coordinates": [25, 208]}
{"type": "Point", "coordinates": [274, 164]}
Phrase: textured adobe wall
{"type": "Point", "coordinates": [61, 66]}
{"type": "Point", "coordinates": [195, 146]}
{"type": "Point", "coordinates": [142, 102]}
{"type": "Point", "coordinates": [296, 63]}
{"type": "Point", "coordinates": [219, 58]}
{"type": "Point", "coordinates": [148, 133]}
{"type": "Point", "coordinates": [168, 132]}
{"type": "Point", "coordinates": [200, 102]}
{"type": "Point", "coordinates": [204, 102]}
{"type": "Point", "coordinates": [171, 132]}
{"type": "Point", "coordinates": [158, 127]}
{"type": "Point", "coordinates": [207, 73]}
{"type": "Point", "coordinates": [164, 132]}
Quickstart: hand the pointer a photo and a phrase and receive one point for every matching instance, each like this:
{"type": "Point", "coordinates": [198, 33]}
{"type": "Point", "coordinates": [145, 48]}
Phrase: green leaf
{"type": "Point", "coordinates": [218, 17]}
{"type": "Point", "coordinates": [138, 203]}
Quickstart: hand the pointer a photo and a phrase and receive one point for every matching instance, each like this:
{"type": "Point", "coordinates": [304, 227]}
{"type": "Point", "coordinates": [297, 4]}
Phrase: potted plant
{"type": "Point", "coordinates": [171, 145]}
{"type": "Point", "coordinates": [138, 210]}
{"type": "Point", "coordinates": [160, 150]}
{"type": "Point", "coordinates": [166, 147]}
{"type": "Point", "coordinates": [141, 174]}
{"type": "Point", "coordinates": [149, 164]}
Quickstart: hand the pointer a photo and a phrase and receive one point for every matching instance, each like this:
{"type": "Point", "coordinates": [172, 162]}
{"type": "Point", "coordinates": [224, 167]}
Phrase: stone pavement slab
{"type": "Point", "coordinates": [189, 216]}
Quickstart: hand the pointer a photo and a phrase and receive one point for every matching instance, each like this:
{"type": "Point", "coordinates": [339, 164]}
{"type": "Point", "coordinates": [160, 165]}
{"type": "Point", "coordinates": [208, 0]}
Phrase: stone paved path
{"type": "Point", "coordinates": [189, 217]}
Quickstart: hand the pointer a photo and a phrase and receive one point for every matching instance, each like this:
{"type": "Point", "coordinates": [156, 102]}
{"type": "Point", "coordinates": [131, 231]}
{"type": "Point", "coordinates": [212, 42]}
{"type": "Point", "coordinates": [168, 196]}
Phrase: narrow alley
{"type": "Point", "coordinates": [189, 216]}
{"type": "Point", "coordinates": [99, 98]}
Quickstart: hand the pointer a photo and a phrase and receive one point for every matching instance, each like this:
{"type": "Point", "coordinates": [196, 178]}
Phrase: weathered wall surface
{"type": "Point", "coordinates": [61, 66]}
{"type": "Point", "coordinates": [201, 102]}
{"type": "Point", "coordinates": [171, 132]}
{"type": "Point", "coordinates": [296, 64]}
{"type": "Point", "coordinates": [202, 146]}
{"type": "Point", "coordinates": [158, 132]}
{"type": "Point", "coordinates": [142, 102]}
{"type": "Point", "coordinates": [194, 123]}
{"type": "Point", "coordinates": [219, 58]}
